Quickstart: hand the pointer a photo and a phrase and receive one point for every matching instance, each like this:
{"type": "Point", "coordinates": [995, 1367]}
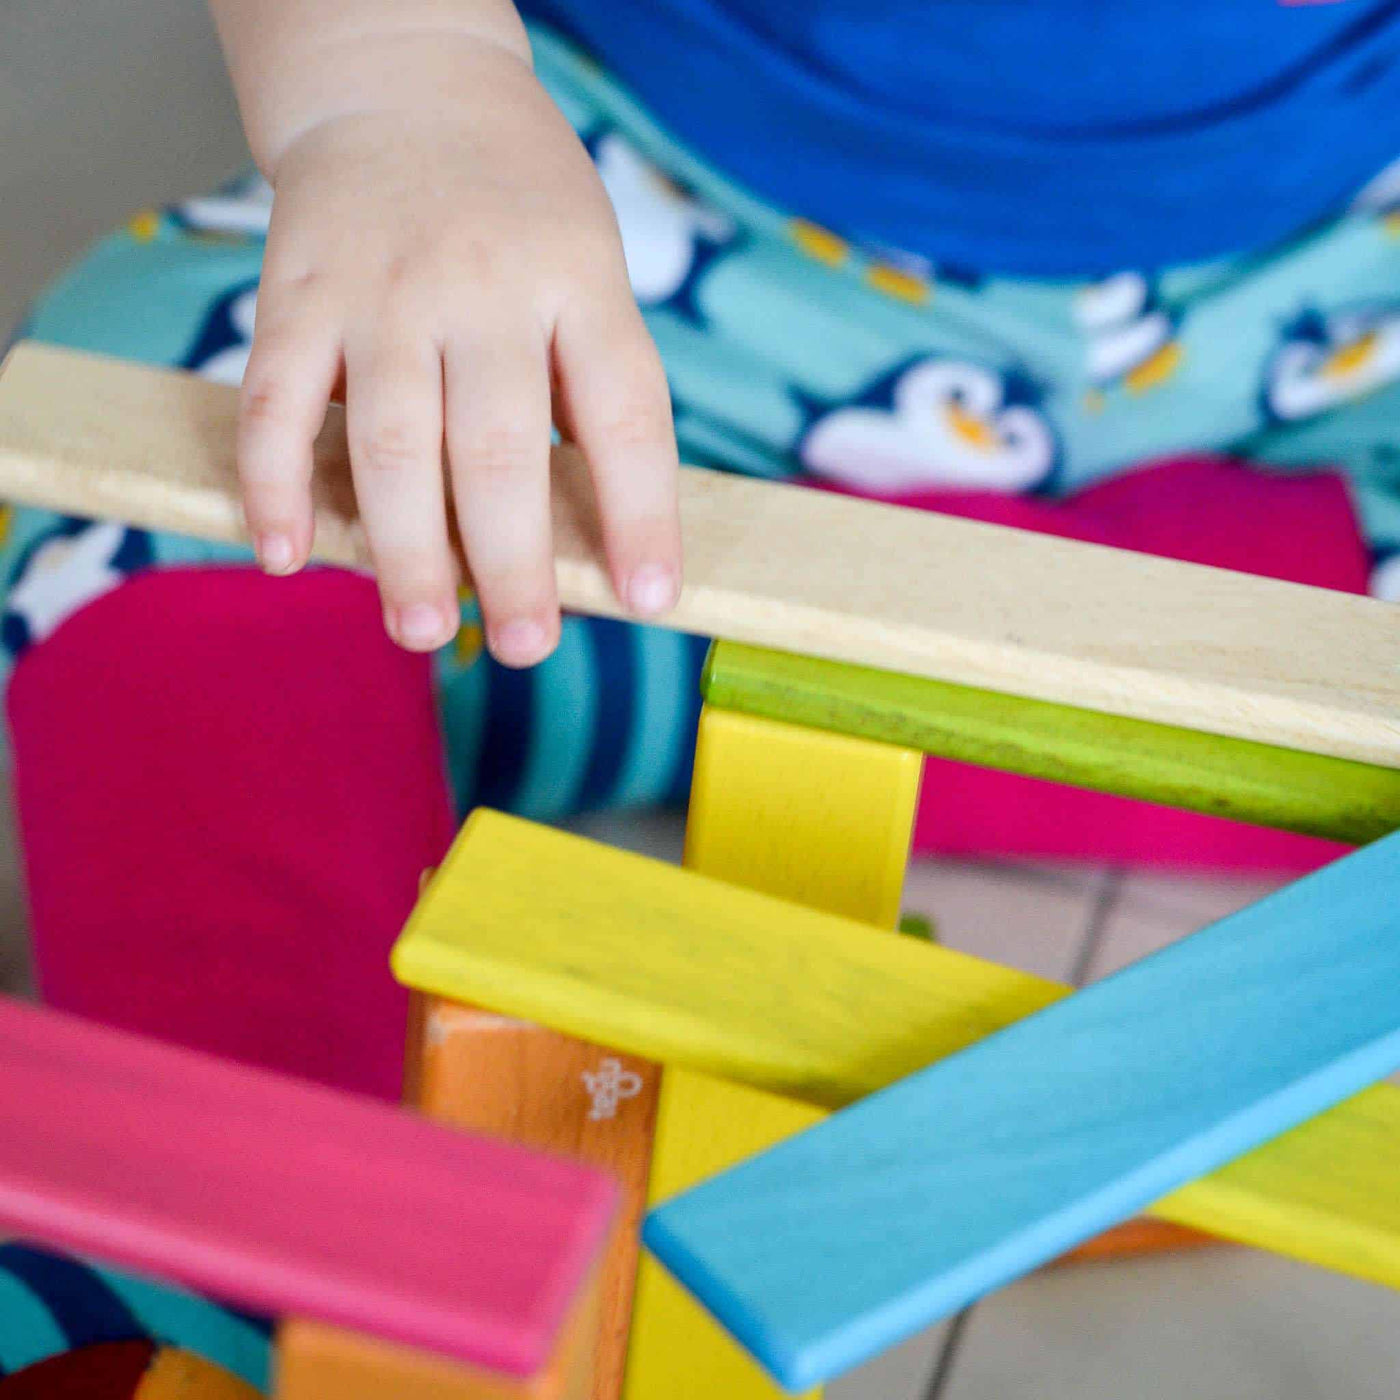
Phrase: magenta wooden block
{"type": "Point", "coordinates": [286, 1198]}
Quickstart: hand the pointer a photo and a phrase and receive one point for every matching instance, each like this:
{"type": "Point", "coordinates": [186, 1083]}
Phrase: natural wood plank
{"type": "Point", "coordinates": [288, 1199]}
{"type": "Point", "coordinates": [813, 817]}
{"type": "Point", "coordinates": [802, 570]}
{"type": "Point", "coordinates": [553, 1092]}
{"type": "Point", "coordinates": [841, 1242]}
{"type": "Point", "coordinates": [1335, 798]}
{"type": "Point", "coordinates": [702, 975]}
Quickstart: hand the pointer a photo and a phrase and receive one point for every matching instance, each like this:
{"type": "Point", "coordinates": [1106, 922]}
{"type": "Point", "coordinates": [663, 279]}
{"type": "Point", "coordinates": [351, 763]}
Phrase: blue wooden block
{"type": "Point", "coordinates": [855, 1234]}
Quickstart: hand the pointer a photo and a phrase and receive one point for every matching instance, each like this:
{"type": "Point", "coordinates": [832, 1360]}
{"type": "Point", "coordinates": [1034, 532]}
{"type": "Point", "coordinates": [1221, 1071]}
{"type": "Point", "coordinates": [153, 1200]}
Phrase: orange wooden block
{"type": "Point", "coordinates": [181, 1375]}
{"type": "Point", "coordinates": [1142, 1236]}
{"type": "Point", "coordinates": [553, 1092]}
{"type": "Point", "coordinates": [319, 1362]}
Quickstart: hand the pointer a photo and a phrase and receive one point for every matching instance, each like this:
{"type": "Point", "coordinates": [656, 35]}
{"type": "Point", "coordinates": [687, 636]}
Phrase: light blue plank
{"type": "Point", "coordinates": [852, 1236]}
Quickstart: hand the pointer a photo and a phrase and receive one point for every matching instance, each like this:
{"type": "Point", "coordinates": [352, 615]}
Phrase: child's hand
{"type": "Point", "coordinates": [458, 262]}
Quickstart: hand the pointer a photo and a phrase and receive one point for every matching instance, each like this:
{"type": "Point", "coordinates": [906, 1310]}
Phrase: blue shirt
{"type": "Point", "coordinates": [1036, 137]}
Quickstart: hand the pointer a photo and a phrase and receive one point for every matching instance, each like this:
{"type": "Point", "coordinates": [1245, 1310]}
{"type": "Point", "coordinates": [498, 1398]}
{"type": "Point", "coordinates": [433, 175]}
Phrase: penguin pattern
{"type": "Point", "coordinates": [1130, 337]}
{"type": "Point", "coordinates": [935, 423]}
{"type": "Point", "coordinates": [1330, 358]}
{"type": "Point", "coordinates": [64, 570]}
{"type": "Point", "coordinates": [220, 350]}
{"type": "Point", "coordinates": [1385, 576]}
{"type": "Point", "coordinates": [1380, 199]}
{"type": "Point", "coordinates": [670, 236]}
{"type": "Point", "coordinates": [243, 209]}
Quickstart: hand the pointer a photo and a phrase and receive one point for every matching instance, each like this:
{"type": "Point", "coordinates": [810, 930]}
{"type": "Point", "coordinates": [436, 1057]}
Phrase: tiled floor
{"type": "Point", "coordinates": [106, 105]}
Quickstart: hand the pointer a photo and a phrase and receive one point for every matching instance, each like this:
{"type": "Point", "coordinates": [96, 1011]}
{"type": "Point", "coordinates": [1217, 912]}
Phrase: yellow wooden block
{"type": "Point", "coordinates": [703, 1126]}
{"type": "Point", "coordinates": [688, 971]}
{"type": "Point", "coordinates": [813, 817]}
{"type": "Point", "coordinates": [817, 818]}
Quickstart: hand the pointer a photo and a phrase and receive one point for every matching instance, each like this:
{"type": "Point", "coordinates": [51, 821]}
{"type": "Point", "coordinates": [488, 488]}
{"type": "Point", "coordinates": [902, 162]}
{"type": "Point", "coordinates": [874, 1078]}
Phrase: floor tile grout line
{"type": "Point", "coordinates": [1103, 904]}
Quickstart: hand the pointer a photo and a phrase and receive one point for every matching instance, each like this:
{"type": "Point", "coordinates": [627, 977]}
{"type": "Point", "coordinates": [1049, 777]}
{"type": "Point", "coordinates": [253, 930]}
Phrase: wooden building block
{"type": "Point", "coordinates": [317, 1362]}
{"type": "Point", "coordinates": [850, 1237]}
{"type": "Point", "coordinates": [710, 977]}
{"type": "Point", "coordinates": [1142, 1236]}
{"type": "Point", "coordinates": [543, 1089]}
{"type": "Point", "coordinates": [817, 818]}
{"type": "Point", "coordinates": [175, 1374]}
{"type": "Point", "coordinates": [1334, 798]}
{"type": "Point", "coordinates": [806, 571]}
{"type": "Point", "coordinates": [288, 1199]}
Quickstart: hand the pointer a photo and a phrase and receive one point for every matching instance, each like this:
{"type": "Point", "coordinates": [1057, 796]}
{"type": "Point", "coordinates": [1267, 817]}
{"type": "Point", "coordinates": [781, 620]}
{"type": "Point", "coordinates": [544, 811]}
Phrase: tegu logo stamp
{"type": "Point", "coordinates": [607, 1086]}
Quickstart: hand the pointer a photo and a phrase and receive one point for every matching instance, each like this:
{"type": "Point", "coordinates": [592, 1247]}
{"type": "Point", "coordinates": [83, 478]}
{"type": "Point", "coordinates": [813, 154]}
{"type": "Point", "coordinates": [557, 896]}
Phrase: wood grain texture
{"type": "Point", "coordinates": [841, 1242]}
{"type": "Point", "coordinates": [818, 818]}
{"type": "Point", "coordinates": [806, 571]}
{"type": "Point", "coordinates": [708, 977]}
{"type": "Point", "coordinates": [1314, 795]}
{"type": "Point", "coordinates": [317, 1362]}
{"type": "Point", "coordinates": [704, 1125]}
{"type": "Point", "coordinates": [775, 809]}
{"type": "Point", "coordinates": [543, 1089]}
{"type": "Point", "coordinates": [285, 1198]}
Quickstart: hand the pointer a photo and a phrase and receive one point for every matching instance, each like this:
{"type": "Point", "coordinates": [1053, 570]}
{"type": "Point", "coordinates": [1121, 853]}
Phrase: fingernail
{"type": "Point", "coordinates": [519, 643]}
{"type": "Point", "coordinates": [423, 627]}
{"type": "Point", "coordinates": [276, 553]}
{"type": "Point", "coordinates": [652, 589]}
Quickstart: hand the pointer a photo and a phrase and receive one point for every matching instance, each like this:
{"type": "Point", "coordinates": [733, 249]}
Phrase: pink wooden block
{"type": "Point", "coordinates": [286, 1198]}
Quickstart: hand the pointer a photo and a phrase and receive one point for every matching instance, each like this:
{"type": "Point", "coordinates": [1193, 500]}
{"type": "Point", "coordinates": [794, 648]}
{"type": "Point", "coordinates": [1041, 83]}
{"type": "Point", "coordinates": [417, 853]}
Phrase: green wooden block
{"type": "Point", "coordinates": [1311, 794]}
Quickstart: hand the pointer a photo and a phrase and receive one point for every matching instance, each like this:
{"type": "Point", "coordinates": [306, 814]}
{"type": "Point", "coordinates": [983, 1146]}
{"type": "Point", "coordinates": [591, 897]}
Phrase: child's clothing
{"type": "Point", "coordinates": [246, 773]}
{"type": "Point", "coordinates": [793, 353]}
{"type": "Point", "coordinates": [51, 1304]}
{"type": "Point", "coordinates": [1040, 137]}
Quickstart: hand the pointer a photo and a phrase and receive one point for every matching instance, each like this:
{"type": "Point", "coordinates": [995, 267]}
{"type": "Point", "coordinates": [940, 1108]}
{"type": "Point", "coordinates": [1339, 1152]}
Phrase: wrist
{"type": "Point", "coordinates": [382, 65]}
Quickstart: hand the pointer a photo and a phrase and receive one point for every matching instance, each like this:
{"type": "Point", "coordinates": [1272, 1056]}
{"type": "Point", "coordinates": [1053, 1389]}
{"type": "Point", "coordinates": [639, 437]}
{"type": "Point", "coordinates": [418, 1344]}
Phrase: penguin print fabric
{"type": "Point", "coordinates": [794, 351]}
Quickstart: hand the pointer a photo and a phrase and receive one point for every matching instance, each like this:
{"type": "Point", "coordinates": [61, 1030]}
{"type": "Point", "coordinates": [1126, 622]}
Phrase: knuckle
{"type": "Point", "coordinates": [390, 448]}
{"type": "Point", "coordinates": [265, 403]}
{"type": "Point", "coordinates": [634, 423]}
{"type": "Point", "coordinates": [501, 450]}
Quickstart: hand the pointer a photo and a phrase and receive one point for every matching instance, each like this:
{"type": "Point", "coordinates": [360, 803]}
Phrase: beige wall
{"type": "Point", "coordinates": [105, 106]}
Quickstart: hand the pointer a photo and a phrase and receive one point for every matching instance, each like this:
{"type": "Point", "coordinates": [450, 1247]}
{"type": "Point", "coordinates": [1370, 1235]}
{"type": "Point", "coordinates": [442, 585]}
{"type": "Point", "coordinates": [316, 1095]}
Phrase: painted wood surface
{"type": "Point", "coordinates": [316, 1361]}
{"type": "Point", "coordinates": [709, 977]}
{"type": "Point", "coordinates": [1314, 795]}
{"type": "Point", "coordinates": [181, 1375]}
{"type": "Point", "coordinates": [843, 1241]}
{"type": "Point", "coordinates": [285, 1198]}
{"type": "Point", "coordinates": [827, 824]}
{"type": "Point", "coordinates": [543, 1089]}
{"type": "Point", "coordinates": [817, 818]}
{"type": "Point", "coordinates": [806, 571]}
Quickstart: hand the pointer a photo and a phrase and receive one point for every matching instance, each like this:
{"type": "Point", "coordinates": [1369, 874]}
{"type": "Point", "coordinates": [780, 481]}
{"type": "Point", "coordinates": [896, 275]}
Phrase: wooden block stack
{"type": "Point", "coordinates": [667, 1026]}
